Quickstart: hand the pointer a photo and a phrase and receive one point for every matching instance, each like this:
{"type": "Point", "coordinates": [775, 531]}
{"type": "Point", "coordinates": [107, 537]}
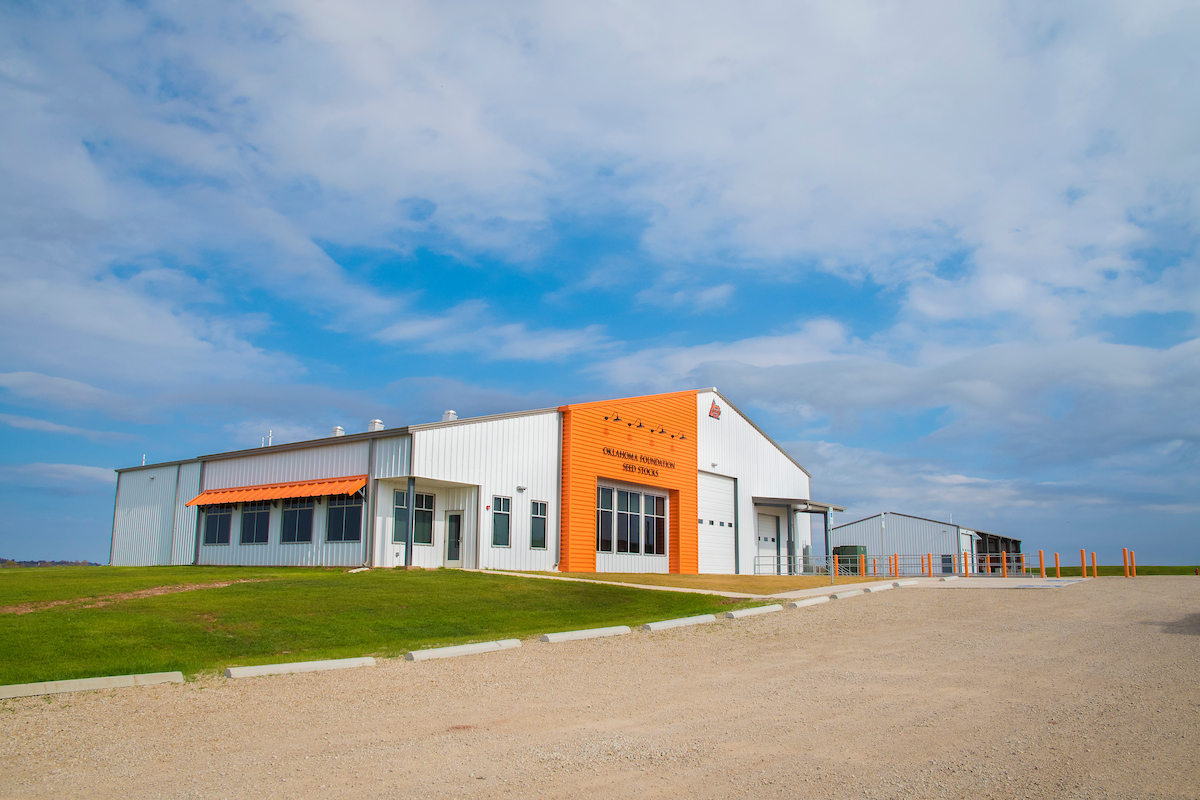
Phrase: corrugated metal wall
{"type": "Point", "coordinates": [897, 533]}
{"type": "Point", "coordinates": [497, 456]}
{"type": "Point", "coordinates": [392, 456]}
{"type": "Point", "coordinates": [183, 547]}
{"type": "Point", "coordinates": [741, 452]}
{"type": "Point", "coordinates": [144, 521]}
{"type": "Point", "coordinates": [317, 553]}
{"type": "Point", "coordinates": [303, 464]}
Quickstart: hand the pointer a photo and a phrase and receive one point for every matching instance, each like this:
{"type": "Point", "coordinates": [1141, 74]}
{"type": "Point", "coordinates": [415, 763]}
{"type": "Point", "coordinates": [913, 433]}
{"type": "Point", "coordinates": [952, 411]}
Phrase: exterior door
{"type": "Point", "coordinates": [767, 562]}
{"type": "Point", "coordinates": [454, 538]}
{"type": "Point", "coordinates": [717, 541]}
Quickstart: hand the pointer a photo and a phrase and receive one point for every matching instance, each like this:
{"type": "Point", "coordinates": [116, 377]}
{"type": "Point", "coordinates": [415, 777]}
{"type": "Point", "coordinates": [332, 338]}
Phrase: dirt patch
{"type": "Point", "coordinates": [109, 599]}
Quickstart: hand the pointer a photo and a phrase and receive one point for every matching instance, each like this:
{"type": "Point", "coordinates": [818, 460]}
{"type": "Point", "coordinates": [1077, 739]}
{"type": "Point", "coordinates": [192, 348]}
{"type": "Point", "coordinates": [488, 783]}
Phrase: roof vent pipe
{"type": "Point", "coordinates": [375, 425]}
{"type": "Point", "coordinates": [448, 416]}
{"type": "Point", "coordinates": [338, 430]}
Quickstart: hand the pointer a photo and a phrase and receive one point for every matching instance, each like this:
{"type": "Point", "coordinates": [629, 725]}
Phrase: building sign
{"type": "Point", "coordinates": [638, 463]}
{"type": "Point", "coordinates": [715, 411]}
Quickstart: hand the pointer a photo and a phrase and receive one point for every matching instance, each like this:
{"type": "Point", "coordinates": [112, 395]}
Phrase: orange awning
{"type": "Point", "coordinates": [276, 491]}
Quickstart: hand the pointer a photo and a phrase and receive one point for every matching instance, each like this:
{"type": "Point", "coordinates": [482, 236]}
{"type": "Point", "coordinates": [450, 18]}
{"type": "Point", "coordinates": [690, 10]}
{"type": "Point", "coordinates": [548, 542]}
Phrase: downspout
{"type": "Point", "coordinates": [199, 519]}
{"type": "Point", "coordinates": [737, 541]}
{"type": "Point", "coordinates": [412, 514]}
{"type": "Point", "coordinates": [369, 555]}
{"type": "Point", "coordinates": [791, 541]}
{"type": "Point", "coordinates": [827, 514]}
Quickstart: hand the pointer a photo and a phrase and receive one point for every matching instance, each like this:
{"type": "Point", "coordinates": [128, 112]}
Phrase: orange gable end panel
{"type": "Point", "coordinates": [652, 443]}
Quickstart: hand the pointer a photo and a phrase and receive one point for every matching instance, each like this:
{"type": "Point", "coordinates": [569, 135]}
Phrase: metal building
{"type": "Point", "coordinates": [890, 533]}
{"type": "Point", "coordinates": [610, 486]}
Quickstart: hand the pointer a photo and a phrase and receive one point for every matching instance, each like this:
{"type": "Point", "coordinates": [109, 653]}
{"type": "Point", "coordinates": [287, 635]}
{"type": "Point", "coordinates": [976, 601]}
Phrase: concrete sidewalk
{"type": "Point", "coordinates": [816, 591]}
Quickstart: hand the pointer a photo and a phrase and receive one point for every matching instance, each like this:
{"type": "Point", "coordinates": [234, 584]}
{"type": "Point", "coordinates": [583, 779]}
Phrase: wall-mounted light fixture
{"type": "Point", "coordinates": [521, 488]}
{"type": "Point", "coordinates": [639, 424]}
{"type": "Point", "coordinates": [614, 417]}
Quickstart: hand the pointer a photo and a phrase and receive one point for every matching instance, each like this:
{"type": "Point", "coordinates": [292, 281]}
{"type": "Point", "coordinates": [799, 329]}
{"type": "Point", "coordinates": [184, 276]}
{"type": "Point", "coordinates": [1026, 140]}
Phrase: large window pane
{"type": "Point", "coordinates": [256, 521]}
{"type": "Point", "coordinates": [500, 521]}
{"type": "Point", "coordinates": [297, 521]}
{"type": "Point", "coordinates": [344, 519]}
{"type": "Point", "coordinates": [217, 522]}
{"type": "Point", "coordinates": [400, 525]}
{"type": "Point", "coordinates": [423, 519]}
{"type": "Point", "coordinates": [537, 529]}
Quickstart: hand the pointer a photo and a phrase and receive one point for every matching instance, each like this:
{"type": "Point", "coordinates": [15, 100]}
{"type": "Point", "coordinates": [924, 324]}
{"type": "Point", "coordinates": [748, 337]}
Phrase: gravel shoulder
{"type": "Point", "coordinates": [1086, 691]}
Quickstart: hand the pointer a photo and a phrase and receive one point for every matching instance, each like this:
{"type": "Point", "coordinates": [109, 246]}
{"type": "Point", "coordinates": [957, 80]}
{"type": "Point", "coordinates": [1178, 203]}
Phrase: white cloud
{"type": "Point", "coordinates": [67, 478]}
{"type": "Point", "coordinates": [32, 424]}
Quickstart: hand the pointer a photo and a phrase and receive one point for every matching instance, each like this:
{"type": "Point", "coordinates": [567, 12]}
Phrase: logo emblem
{"type": "Point", "coordinates": [715, 411]}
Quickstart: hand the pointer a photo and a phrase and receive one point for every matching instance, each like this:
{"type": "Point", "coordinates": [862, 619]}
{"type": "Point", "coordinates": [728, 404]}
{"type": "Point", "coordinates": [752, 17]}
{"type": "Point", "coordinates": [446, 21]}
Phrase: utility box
{"type": "Point", "coordinates": [847, 558]}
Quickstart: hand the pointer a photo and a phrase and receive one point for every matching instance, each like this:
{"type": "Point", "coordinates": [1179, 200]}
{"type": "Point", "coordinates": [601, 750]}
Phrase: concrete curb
{"type": "Point", "coordinates": [663, 625]}
{"type": "Point", "coordinates": [876, 589]}
{"type": "Point", "coordinates": [950, 578]}
{"type": "Point", "coordinates": [461, 650]}
{"type": "Point", "coordinates": [898, 584]}
{"type": "Point", "coordinates": [844, 595]}
{"type": "Point", "coordinates": [298, 666]}
{"type": "Point", "coordinates": [750, 612]}
{"type": "Point", "coordinates": [809, 601]}
{"type": "Point", "coordinates": [591, 633]}
{"type": "Point", "coordinates": [87, 684]}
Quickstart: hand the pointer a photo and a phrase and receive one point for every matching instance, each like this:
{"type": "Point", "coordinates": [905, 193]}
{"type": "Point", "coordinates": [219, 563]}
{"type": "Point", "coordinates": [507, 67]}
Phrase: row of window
{"type": "Point", "coordinates": [501, 521]}
{"type": "Point", "coordinates": [343, 521]}
{"type": "Point", "coordinates": [637, 525]}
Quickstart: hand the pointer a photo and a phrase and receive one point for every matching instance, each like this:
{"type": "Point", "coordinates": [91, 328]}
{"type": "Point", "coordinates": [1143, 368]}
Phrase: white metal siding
{"type": "Point", "coordinates": [888, 533]}
{"type": "Point", "coordinates": [302, 464]}
{"type": "Point", "coordinates": [183, 547]}
{"type": "Point", "coordinates": [497, 456]}
{"type": "Point", "coordinates": [144, 521]}
{"type": "Point", "coordinates": [761, 469]}
{"type": "Point", "coordinates": [716, 523]}
{"type": "Point", "coordinates": [317, 553]}
{"type": "Point", "coordinates": [392, 456]}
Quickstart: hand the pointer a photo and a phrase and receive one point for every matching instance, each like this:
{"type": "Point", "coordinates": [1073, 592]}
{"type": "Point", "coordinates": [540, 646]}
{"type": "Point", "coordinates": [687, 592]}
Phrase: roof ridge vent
{"type": "Point", "coordinates": [338, 430]}
{"type": "Point", "coordinates": [449, 415]}
{"type": "Point", "coordinates": [375, 425]}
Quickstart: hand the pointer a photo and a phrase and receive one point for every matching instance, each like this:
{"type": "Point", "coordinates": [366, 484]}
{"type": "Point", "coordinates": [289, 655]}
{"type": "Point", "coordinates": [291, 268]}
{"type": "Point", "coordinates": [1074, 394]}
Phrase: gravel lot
{"type": "Point", "coordinates": [1085, 691]}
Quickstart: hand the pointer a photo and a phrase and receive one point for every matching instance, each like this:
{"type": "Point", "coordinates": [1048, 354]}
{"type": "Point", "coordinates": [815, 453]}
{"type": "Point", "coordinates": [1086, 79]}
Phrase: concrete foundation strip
{"type": "Point", "coordinates": [809, 601]}
{"type": "Point", "coordinates": [750, 612]}
{"type": "Point", "coordinates": [662, 625]}
{"type": "Point", "coordinates": [462, 650]}
{"type": "Point", "coordinates": [88, 684]}
{"type": "Point", "coordinates": [298, 666]}
{"type": "Point", "coordinates": [591, 633]}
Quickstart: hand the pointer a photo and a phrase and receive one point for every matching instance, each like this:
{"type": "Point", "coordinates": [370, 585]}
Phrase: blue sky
{"type": "Point", "coordinates": [946, 254]}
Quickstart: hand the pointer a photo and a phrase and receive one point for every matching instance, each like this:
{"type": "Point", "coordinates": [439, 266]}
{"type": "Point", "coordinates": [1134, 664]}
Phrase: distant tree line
{"type": "Point", "coordinates": [8, 562]}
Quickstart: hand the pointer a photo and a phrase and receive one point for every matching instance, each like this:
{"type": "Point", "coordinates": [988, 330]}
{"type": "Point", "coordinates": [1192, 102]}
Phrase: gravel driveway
{"type": "Point", "coordinates": [1090, 690]}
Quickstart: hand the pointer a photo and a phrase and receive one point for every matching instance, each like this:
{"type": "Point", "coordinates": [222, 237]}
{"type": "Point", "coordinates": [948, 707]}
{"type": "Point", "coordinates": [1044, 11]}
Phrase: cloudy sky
{"type": "Point", "coordinates": [945, 253]}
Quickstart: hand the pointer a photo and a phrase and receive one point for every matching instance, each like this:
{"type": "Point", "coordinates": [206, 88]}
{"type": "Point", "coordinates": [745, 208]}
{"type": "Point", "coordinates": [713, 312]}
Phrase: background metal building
{"type": "Point", "coordinates": [892, 533]}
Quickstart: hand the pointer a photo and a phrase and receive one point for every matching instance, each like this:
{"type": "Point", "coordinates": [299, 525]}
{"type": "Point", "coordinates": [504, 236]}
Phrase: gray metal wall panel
{"type": "Point", "coordinates": [498, 456]}
{"type": "Point", "coordinates": [143, 522]}
{"type": "Point", "coordinates": [305, 464]}
{"type": "Point", "coordinates": [393, 456]}
{"type": "Point", "coordinates": [183, 547]}
{"type": "Point", "coordinates": [899, 534]}
{"type": "Point", "coordinates": [317, 553]}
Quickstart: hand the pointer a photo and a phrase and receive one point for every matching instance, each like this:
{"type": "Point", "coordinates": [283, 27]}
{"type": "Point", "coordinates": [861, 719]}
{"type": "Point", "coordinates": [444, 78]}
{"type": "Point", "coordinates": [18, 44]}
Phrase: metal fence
{"type": "Point", "coordinates": [900, 565]}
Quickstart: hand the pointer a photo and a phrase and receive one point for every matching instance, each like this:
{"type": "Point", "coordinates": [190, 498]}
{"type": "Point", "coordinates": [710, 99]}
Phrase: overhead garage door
{"type": "Point", "coordinates": [716, 524]}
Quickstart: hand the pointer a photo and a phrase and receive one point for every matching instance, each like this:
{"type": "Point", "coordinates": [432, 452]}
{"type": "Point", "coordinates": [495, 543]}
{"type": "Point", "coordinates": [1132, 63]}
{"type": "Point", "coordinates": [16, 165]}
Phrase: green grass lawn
{"type": "Point", "coordinates": [293, 615]}
{"type": "Point", "coordinates": [1111, 571]}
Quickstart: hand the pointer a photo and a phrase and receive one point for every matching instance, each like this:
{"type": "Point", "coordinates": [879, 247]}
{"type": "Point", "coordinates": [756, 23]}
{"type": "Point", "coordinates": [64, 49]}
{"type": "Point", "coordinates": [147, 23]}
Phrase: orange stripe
{"type": "Point", "coordinates": [278, 491]}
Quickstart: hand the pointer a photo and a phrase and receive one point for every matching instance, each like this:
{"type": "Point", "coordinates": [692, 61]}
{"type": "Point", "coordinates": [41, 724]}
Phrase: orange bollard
{"type": "Point", "coordinates": [929, 563]}
{"type": "Point", "coordinates": [966, 566]}
{"type": "Point", "coordinates": [989, 564]}
{"type": "Point", "coordinates": [1024, 569]}
{"type": "Point", "coordinates": [862, 564]}
{"type": "Point", "coordinates": [875, 566]}
{"type": "Point", "coordinates": [1057, 570]}
{"type": "Point", "coordinates": [1133, 562]}
{"type": "Point", "coordinates": [1042, 562]}
{"type": "Point", "coordinates": [1003, 564]}
{"type": "Point", "coordinates": [1083, 561]}
{"type": "Point", "coordinates": [1125, 560]}
{"type": "Point", "coordinates": [1095, 574]}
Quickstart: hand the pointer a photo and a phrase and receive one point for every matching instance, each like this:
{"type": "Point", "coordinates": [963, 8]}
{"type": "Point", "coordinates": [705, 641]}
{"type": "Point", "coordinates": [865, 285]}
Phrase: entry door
{"type": "Point", "coordinates": [454, 538]}
{"type": "Point", "coordinates": [768, 545]}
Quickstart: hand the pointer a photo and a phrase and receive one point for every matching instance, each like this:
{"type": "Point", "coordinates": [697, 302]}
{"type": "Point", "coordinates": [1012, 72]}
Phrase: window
{"type": "Point", "coordinates": [344, 518]}
{"type": "Point", "coordinates": [256, 520]}
{"type": "Point", "coordinates": [501, 506]}
{"type": "Point", "coordinates": [537, 529]}
{"type": "Point", "coordinates": [629, 518]}
{"type": "Point", "coordinates": [423, 519]}
{"type": "Point", "coordinates": [400, 528]}
{"type": "Point", "coordinates": [217, 522]}
{"type": "Point", "coordinates": [656, 525]}
{"type": "Point", "coordinates": [604, 519]}
{"type": "Point", "coordinates": [297, 520]}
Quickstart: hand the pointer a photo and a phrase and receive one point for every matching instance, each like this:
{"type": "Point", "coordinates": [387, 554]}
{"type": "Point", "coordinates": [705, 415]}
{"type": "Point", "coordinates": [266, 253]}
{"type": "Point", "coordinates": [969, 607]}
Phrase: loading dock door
{"type": "Point", "coordinates": [716, 516]}
{"type": "Point", "coordinates": [767, 562]}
